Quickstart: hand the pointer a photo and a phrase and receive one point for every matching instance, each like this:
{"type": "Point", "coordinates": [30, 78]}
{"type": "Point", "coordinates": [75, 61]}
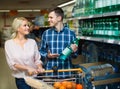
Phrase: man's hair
{"type": "Point", "coordinates": [59, 12]}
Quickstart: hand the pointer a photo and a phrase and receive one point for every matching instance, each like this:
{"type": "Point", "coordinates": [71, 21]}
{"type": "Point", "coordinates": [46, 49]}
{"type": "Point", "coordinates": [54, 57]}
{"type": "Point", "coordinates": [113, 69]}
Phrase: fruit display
{"type": "Point", "coordinates": [67, 85]}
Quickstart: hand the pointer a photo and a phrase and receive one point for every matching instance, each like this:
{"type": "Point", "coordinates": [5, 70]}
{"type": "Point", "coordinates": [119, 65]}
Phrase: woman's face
{"type": "Point", "coordinates": [24, 28]}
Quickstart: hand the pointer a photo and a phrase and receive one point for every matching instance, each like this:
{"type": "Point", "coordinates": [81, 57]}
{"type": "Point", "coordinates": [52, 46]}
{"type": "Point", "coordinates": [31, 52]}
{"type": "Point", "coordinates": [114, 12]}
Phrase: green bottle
{"type": "Point", "coordinates": [68, 50]}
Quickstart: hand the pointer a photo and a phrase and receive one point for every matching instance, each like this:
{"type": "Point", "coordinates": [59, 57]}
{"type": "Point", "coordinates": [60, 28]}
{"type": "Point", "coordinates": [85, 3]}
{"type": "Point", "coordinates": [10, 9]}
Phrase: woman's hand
{"type": "Point", "coordinates": [32, 71]}
{"type": "Point", "coordinates": [40, 70]}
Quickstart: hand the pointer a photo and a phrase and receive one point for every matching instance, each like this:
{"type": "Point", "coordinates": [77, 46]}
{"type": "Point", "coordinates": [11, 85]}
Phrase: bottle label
{"type": "Point", "coordinates": [67, 51]}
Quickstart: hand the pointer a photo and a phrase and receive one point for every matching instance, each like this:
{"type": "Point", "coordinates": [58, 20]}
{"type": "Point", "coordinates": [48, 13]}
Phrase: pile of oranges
{"type": "Point", "coordinates": [67, 85]}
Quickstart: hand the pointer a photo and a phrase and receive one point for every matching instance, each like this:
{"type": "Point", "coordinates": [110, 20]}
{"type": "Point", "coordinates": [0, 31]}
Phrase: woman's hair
{"type": "Point", "coordinates": [17, 22]}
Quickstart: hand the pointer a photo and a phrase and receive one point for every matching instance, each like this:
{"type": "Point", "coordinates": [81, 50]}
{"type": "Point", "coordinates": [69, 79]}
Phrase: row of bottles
{"type": "Point", "coordinates": [109, 53]}
{"type": "Point", "coordinates": [86, 27]}
{"type": "Point", "coordinates": [95, 51]}
{"type": "Point", "coordinates": [101, 27]}
{"type": "Point", "coordinates": [91, 7]}
{"type": "Point", "coordinates": [89, 51]}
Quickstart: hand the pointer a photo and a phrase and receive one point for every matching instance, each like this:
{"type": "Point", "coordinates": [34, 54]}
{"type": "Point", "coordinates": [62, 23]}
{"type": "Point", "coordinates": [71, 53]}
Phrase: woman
{"type": "Point", "coordinates": [22, 53]}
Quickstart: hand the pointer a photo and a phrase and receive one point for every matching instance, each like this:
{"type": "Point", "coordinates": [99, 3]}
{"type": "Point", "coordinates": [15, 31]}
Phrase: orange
{"type": "Point", "coordinates": [69, 85]}
{"type": "Point", "coordinates": [79, 86]}
{"type": "Point", "coordinates": [64, 83]}
{"type": "Point", "coordinates": [62, 87]}
{"type": "Point", "coordinates": [74, 85]}
{"type": "Point", "coordinates": [57, 85]}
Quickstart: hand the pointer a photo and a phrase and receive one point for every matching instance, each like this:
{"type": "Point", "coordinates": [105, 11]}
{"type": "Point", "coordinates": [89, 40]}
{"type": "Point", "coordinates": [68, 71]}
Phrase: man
{"type": "Point", "coordinates": [55, 40]}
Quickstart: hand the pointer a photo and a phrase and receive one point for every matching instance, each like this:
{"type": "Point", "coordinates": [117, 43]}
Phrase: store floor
{"type": "Point", "coordinates": [6, 79]}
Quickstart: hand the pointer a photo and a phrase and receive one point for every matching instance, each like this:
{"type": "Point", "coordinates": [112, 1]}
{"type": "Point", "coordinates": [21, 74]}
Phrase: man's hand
{"type": "Point", "coordinates": [74, 47]}
{"type": "Point", "coordinates": [50, 55]}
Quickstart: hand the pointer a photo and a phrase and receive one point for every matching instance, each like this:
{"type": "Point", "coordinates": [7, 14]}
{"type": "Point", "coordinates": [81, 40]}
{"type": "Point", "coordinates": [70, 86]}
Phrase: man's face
{"type": "Point", "coordinates": [53, 19]}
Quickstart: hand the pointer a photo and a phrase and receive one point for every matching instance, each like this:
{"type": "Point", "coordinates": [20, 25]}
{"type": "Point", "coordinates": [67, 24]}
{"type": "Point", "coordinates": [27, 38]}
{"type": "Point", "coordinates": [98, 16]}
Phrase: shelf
{"type": "Point", "coordinates": [116, 13]}
{"type": "Point", "coordinates": [98, 39]}
{"type": "Point", "coordinates": [44, 26]}
{"type": "Point", "coordinates": [105, 40]}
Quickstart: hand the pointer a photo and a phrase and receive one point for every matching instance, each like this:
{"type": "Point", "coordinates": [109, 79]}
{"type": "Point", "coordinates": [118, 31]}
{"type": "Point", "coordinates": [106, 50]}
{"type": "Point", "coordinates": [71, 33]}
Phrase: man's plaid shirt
{"type": "Point", "coordinates": [56, 42]}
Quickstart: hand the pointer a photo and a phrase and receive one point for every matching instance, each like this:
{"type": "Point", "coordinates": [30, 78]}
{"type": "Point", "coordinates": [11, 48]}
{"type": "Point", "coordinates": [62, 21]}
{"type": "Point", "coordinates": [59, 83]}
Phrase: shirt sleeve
{"type": "Point", "coordinates": [9, 56]}
{"type": "Point", "coordinates": [37, 55]}
{"type": "Point", "coordinates": [43, 48]}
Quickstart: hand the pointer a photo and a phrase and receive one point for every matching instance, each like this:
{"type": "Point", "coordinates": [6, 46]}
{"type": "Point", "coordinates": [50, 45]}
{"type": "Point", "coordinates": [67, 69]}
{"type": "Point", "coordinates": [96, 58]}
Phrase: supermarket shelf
{"type": "Point", "coordinates": [105, 40]}
{"type": "Point", "coordinates": [84, 17]}
{"type": "Point", "coordinates": [116, 13]}
{"type": "Point", "coordinates": [44, 26]}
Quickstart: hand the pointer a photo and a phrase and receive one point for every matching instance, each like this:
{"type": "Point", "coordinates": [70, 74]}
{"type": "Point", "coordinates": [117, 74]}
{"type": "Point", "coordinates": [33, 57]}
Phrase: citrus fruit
{"type": "Point", "coordinates": [79, 86]}
{"type": "Point", "coordinates": [57, 85]}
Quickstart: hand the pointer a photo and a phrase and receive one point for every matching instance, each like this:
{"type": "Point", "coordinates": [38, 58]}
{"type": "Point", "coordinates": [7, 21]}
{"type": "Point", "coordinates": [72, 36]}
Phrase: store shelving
{"type": "Point", "coordinates": [105, 27]}
{"type": "Point", "coordinates": [104, 40]}
{"type": "Point", "coordinates": [98, 39]}
{"type": "Point", "coordinates": [99, 31]}
{"type": "Point", "coordinates": [116, 13]}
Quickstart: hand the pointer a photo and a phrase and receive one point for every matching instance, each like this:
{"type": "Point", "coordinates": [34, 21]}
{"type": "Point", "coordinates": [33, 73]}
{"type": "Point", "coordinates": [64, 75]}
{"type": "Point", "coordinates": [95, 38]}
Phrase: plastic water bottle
{"type": "Point", "coordinates": [68, 50]}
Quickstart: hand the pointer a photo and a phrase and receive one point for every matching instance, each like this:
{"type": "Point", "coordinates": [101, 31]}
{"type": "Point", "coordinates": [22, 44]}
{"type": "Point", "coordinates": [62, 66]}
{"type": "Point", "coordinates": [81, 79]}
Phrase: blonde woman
{"type": "Point", "coordinates": [22, 53]}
